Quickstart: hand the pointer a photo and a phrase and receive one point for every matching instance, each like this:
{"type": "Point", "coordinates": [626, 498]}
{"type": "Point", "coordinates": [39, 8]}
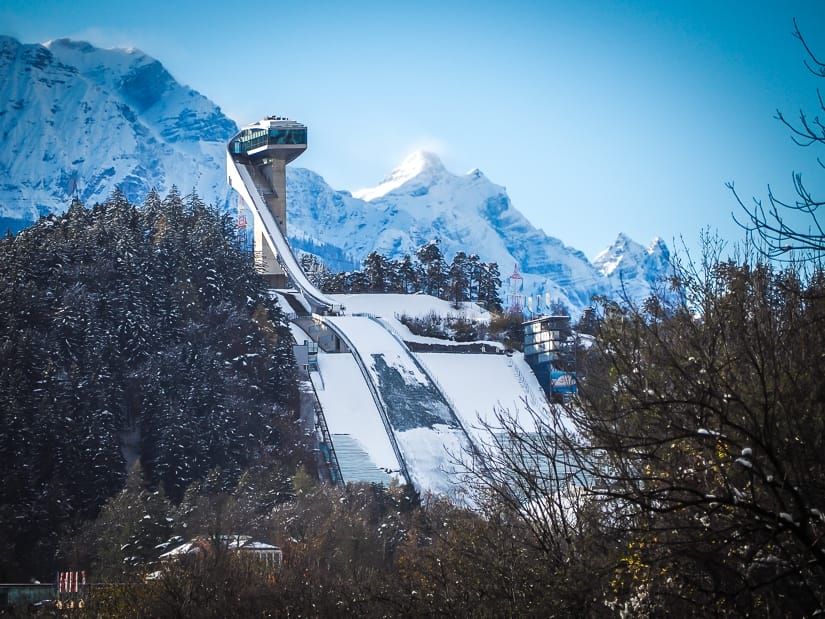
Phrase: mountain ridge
{"type": "Point", "coordinates": [79, 121]}
{"type": "Point", "coordinates": [94, 119]}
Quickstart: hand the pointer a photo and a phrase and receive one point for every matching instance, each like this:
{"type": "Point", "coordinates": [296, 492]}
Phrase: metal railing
{"type": "Point", "coordinates": [335, 467]}
{"type": "Point", "coordinates": [526, 387]}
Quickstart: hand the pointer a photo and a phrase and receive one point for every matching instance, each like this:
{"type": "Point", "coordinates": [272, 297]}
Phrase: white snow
{"type": "Point", "coordinates": [431, 455]}
{"type": "Point", "coordinates": [390, 304]}
{"type": "Point", "coordinates": [350, 410]}
{"type": "Point", "coordinates": [373, 339]}
{"type": "Point", "coordinates": [478, 384]}
{"type": "Point", "coordinates": [358, 435]}
{"type": "Point", "coordinates": [427, 451]}
{"type": "Point", "coordinates": [475, 385]}
{"type": "Point", "coordinates": [416, 165]}
{"type": "Point", "coordinates": [389, 307]}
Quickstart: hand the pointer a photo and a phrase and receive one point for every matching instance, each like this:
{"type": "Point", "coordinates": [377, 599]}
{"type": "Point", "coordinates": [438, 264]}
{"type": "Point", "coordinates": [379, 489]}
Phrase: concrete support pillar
{"type": "Point", "coordinates": [271, 179]}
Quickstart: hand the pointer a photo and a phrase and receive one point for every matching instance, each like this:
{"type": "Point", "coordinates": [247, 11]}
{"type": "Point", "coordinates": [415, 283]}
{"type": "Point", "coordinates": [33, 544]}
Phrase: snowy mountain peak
{"type": "Point", "coordinates": [80, 46]}
{"type": "Point", "coordinates": [79, 120]}
{"type": "Point", "coordinates": [420, 161]}
{"type": "Point", "coordinates": [623, 249]}
{"type": "Point", "coordinates": [95, 62]}
{"type": "Point", "coordinates": [423, 166]}
{"type": "Point", "coordinates": [626, 264]}
{"type": "Point", "coordinates": [139, 78]}
{"type": "Point", "coordinates": [658, 245]}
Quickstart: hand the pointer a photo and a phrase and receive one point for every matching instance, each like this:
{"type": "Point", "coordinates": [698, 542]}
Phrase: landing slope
{"type": "Point", "coordinates": [425, 428]}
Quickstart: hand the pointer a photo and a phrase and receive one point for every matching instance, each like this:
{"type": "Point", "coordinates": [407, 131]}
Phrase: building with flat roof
{"type": "Point", "coordinates": [547, 349]}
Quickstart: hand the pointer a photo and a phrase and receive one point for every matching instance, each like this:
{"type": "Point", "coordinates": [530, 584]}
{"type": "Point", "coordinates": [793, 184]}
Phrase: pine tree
{"type": "Point", "coordinates": [434, 267]}
{"type": "Point", "coordinates": [376, 272]}
{"type": "Point", "coordinates": [489, 284]}
{"type": "Point", "coordinates": [474, 272]}
{"type": "Point", "coordinates": [409, 275]}
{"type": "Point", "coordinates": [459, 279]}
{"type": "Point", "coordinates": [129, 534]}
{"type": "Point", "coordinates": [146, 321]}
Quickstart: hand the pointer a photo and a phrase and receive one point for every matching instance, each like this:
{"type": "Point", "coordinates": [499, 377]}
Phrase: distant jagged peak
{"type": "Point", "coordinates": [625, 249]}
{"type": "Point", "coordinates": [623, 241]}
{"type": "Point", "coordinates": [618, 247]}
{"type": "Point", "coordinates": [658, 246]}
{"type": "Point", "coordinates": [422, 165]}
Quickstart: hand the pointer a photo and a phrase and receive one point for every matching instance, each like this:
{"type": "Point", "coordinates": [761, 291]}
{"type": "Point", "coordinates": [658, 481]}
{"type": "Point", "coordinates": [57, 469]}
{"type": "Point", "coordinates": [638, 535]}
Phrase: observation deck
{"type": "Point", "coordinates": [273, 136]}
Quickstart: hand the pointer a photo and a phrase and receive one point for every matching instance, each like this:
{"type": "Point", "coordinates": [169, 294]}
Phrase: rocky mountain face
{"type": "Point", "coordinates": [631, 269]}
{"type": "Point", "coordinates": [420, 200]}
{"type": "Point", "coordinates": [77, 121]}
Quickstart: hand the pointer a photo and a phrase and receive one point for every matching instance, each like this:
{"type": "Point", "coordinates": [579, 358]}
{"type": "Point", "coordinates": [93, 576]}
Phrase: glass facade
{"type": "Point", "coordinates": [250, 139]}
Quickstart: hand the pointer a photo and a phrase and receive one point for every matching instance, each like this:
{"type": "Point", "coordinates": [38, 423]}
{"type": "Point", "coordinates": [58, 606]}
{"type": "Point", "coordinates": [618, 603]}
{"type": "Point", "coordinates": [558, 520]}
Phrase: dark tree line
{"type": "Point", "coordinates": [465, 278]}
{"type": "Point", "coordinates": [137, 328]}
{"type": "Point", "coordinates": [358, 551]}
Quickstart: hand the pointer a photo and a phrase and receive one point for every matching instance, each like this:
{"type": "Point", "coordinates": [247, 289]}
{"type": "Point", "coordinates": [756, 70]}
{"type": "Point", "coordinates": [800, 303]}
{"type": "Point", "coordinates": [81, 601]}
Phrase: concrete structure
{"type": "Point", "coordinates": [256, 161]}
{"type": "Point", "coordinates": [265, 148]}
{"type": "Point", "coordinates": [547, 349]}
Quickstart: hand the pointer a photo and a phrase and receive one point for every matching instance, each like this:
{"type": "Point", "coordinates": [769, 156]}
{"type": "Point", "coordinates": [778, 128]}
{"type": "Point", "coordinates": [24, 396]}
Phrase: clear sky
{"type": "Point", "coordinates": [598, 117]}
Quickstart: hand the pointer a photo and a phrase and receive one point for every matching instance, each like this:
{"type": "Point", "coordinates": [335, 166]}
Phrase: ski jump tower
{"type": "Point", "coordinates": [256, 161]}
{"type": "Point", "coordinates": [264, 148]}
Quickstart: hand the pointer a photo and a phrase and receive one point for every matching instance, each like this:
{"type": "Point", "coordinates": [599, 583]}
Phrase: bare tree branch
{"type": "Point", "coordinates": [774, 235]}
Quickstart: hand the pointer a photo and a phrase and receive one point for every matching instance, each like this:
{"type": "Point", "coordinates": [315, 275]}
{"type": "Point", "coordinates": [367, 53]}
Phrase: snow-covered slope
{"type": "Point", "coordinates": [76, 120]}
{"type": "Point", "coordinates": [434, 403]}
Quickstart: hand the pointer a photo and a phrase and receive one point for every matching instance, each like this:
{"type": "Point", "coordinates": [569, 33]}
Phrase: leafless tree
{"type": "Point", "coordinates": [529, 481]}
{"type": "Point", "coordinates": [708, 415]}
{"type": "Point", "coordinates": [774, 226]}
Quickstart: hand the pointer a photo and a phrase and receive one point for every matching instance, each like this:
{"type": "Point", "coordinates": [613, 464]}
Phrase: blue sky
{"type": "Point", "coordinates": [598, 117]}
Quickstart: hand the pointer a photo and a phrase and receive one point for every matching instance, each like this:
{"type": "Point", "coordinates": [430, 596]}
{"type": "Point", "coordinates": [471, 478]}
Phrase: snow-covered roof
{"type": "Point", "coordinates": [230, 542]}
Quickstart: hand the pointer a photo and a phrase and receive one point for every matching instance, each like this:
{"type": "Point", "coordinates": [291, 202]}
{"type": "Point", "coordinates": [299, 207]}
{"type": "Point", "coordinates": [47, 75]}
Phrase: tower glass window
{"type": "Point", "coordinates": [252, 139]}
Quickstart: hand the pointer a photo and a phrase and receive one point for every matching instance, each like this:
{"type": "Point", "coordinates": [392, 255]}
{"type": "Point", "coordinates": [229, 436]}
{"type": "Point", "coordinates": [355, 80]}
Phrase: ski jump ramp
{"type": "Point", "coordinates": [241, 167]}
{"type": "Point", "coordinates": [426, 436]}
{"type": "Point", "coordinates": [425, 432]}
